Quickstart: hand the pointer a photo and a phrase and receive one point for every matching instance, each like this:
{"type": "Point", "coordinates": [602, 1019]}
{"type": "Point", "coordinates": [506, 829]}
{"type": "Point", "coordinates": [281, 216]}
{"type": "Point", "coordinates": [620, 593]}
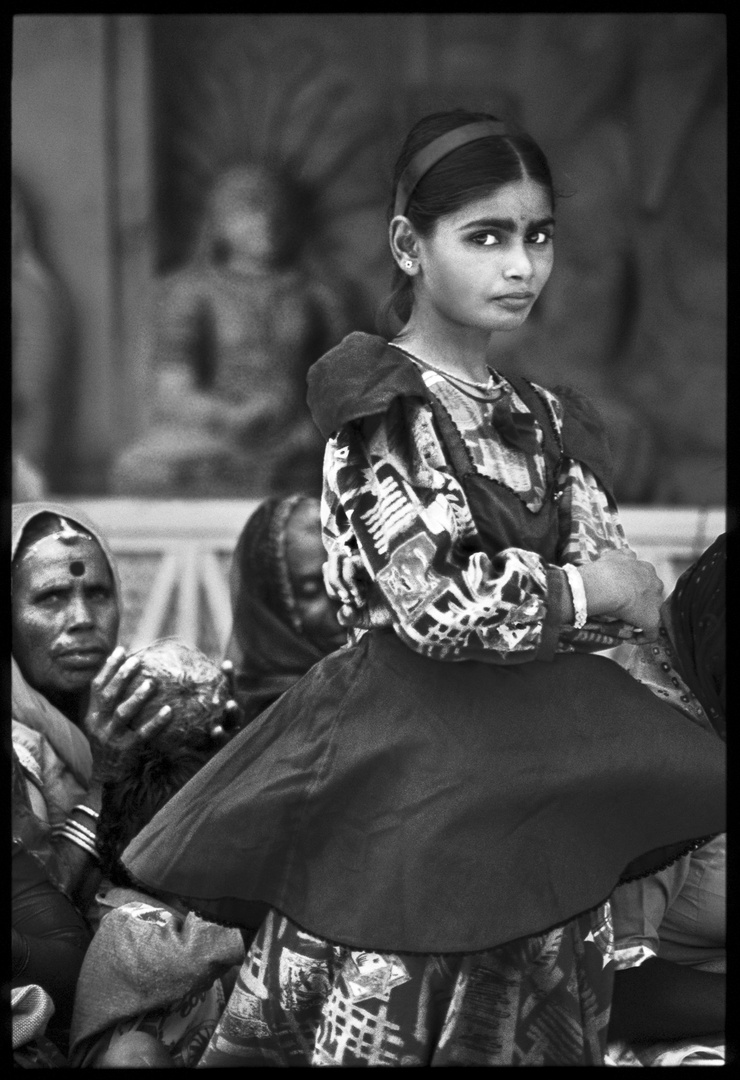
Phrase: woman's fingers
{"type": "Point", "coordinates": [156, 724]}
{"type": "Point", "coordinates": [117, 682]}
{"type": "Point", "coordinates": [129, 708]}
{"type": "Point", "coordinates": [227, 670]}
{"type": "Point", "coordinates": [109, 668]}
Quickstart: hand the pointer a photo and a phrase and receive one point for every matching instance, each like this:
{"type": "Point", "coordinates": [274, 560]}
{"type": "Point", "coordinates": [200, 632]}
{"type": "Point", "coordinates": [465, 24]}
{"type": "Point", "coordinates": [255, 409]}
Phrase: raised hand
{"type": "Point", "coordinates": [110, 722]}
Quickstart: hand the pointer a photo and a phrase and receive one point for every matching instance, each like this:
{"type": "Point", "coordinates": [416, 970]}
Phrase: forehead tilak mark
{"type": "Point", "coordinates": [77, 568]}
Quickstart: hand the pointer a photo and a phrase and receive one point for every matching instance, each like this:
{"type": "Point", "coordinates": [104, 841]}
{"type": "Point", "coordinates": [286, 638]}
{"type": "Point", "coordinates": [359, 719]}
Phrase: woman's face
{"type": "Point", "coordinates": [484, 265]}
{"type": "Point", "coordinates": [64, 614]}
{"type": "Point", "coordinates": [306, 556]}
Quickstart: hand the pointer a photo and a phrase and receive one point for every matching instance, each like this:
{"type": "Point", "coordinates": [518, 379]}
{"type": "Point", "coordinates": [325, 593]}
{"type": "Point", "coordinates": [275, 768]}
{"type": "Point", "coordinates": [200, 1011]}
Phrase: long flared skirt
{"type": "Point", "coordinates": [401, 804]}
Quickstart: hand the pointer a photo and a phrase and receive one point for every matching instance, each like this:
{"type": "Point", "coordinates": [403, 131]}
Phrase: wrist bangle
{"type": "Point", "coordinates": [578, 595]}
{"type": "Point", "coordinates": [80, 842]}
{"type": "Point", "coordinates": [87, 810]}
{"type": "Point", "coordinates": [81, 830]}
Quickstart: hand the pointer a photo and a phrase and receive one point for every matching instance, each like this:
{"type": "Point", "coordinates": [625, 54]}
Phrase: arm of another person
{"type": "Point", "coordinates": [49, 936]}
{"type": "Point", "coordinates": [391, 498]}
{"type": "Point", "coordinates": [112, 722]}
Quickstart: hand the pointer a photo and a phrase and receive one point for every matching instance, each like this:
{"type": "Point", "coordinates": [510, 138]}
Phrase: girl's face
{"type": "Point", "coordinates": [484, 265]}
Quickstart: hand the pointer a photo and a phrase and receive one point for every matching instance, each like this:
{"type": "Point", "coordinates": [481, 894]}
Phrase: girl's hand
{"type": "Point", "coordinates": [110, 721]}
{"type": "Point", "coordinates": [344, 580]}
{"type": "Point", "coordinates": [621, 586]}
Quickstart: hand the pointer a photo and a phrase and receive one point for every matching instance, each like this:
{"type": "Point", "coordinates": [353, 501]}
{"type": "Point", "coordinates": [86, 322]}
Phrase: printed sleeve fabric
{"type": "Point", "coordinates": [391, 498]}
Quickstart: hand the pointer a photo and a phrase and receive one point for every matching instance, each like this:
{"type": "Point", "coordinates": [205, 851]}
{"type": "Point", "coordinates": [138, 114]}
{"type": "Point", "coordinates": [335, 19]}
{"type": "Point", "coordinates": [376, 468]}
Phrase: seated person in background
{"type": "Point", "coordinates": [155, 978]}
{"type": "Point", "coordinates": [49, 935]}
{"type": "Point", "coordinates": [73, 712]}
{"type": "Point", "coordinates": [284, 621]}
{"type": "Point", "coordinates": [669, 927]}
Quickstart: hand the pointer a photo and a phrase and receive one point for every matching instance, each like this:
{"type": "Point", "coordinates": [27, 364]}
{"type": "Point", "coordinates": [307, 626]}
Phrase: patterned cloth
{"type": "Point", "coordinates": [299, 1000]}
{"type": "Point", "coordinates": [393, 498]}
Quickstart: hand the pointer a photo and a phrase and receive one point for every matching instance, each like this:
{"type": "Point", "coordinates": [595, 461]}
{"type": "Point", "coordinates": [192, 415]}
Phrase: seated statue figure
{"type": "Point", "coordinates": [235, 331]}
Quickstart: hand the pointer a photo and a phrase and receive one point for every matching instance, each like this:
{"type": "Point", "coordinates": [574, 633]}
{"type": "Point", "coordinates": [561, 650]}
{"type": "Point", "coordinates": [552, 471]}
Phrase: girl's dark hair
{"type": "Point", "coordinates": [468, 173]}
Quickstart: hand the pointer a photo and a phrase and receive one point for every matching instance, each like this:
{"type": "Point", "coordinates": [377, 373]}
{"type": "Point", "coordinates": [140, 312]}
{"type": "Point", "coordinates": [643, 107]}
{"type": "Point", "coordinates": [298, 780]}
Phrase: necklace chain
{"type": "Point", "coordinates": [486, 386]}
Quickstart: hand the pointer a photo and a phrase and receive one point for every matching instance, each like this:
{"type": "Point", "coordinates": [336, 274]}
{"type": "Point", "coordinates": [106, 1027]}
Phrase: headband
{"type": "Point", "coordinates": [438, 148]}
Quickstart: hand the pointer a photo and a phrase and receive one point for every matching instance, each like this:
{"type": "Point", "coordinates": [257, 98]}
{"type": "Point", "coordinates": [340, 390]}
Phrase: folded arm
{"type": "Point", "coordinates": [393, 507]}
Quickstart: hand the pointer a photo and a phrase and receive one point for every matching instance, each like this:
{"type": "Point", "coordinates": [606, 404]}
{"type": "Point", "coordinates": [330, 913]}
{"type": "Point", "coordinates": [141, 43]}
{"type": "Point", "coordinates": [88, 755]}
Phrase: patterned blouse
{"type": "Point", "coordinates": [390, 477]}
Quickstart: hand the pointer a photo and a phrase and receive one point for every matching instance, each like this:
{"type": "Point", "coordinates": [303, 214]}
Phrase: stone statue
{"type": "Point", "coordinates": [41, 332]}
{"type": "Point", "coordinates": [234, 333]}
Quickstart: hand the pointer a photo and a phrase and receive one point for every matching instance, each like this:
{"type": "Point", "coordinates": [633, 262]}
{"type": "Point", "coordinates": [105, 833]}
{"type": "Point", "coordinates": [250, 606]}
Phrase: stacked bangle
{"type": "Point", "coordinates": [79, 835]}
{"type": "Point", "coordinates": [87, 810]}
{"type": "Point", "coordinates": [578, 595]}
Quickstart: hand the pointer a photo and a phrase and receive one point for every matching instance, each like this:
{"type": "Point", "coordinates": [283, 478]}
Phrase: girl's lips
{"type": "Point", "coordinates": [514, 301]}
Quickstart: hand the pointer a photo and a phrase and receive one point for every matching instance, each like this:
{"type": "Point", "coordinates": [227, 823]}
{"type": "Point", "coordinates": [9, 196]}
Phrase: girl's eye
{"type": "Point", "coordinates": [485, 239]}
{"type": "Point", "coordinates": [540, 237]}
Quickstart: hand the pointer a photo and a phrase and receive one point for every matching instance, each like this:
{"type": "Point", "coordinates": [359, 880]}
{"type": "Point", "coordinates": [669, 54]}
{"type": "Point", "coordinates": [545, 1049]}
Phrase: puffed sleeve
{"type": "Point", "coordinates": [391, 497]}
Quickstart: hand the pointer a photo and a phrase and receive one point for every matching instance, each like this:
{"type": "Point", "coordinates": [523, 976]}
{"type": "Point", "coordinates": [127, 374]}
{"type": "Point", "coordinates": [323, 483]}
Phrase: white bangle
{"type": "Point", "coordinates": [578, 595]}
{"type": "Point", "coordinates": [82, 830]}
{"type": "Point", "coordinates": [67, 834]}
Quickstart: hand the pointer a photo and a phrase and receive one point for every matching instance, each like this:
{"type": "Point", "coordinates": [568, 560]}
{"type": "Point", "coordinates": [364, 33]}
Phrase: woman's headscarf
{"type": "Point", "coordinates": [48, 745]}
{"type": "Point", "coordinates": [697, 629]}
{"type": "Point", "coordinates": [268, 646]}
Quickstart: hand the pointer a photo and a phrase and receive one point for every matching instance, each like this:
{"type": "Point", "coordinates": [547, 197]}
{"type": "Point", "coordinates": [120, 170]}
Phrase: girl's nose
{"type": "Point", "coordinates": [519, 264]}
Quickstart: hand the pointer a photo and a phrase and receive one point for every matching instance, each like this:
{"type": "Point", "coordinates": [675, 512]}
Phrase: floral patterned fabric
{"type": "Point", "coordinates": [300, 1000]}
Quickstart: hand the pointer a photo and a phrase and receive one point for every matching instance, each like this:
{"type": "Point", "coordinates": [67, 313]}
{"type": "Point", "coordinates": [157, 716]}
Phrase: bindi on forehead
{"type": "Point", "coordinates": [77, 568]}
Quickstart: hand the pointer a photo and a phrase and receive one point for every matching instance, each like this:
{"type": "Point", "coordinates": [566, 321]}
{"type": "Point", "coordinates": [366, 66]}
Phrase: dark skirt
{"type": "Point", "coordinates": [401, 804]}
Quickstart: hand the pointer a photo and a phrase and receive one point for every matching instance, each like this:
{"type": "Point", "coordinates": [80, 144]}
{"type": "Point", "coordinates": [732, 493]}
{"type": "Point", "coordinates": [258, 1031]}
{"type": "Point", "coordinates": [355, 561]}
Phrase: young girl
{"type": "Point", "coordinates": [427, 827]}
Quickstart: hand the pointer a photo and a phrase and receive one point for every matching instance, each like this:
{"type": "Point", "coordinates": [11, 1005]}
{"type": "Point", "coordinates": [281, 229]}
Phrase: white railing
{"type": "Point", "coordinates": [174, 557]}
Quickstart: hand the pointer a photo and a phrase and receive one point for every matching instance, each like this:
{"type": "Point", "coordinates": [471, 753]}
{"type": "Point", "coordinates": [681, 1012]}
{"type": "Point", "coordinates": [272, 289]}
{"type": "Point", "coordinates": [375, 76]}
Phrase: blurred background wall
{"type": "Point", "coordinates": [123, 125]}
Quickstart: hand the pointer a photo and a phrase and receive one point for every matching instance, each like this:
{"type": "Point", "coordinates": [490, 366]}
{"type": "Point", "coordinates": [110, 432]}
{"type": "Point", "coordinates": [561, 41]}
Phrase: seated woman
{"type": "Point", "coordinates": [155, 979]}
{"type": "Point", "coordinates": [284, 621]}
{"type": "Point", "coordinates": [49, 935]}
{"type": "Point", "coordinates": [73, 712]}
{"type": "Point", "coordinates": [670, 928]}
